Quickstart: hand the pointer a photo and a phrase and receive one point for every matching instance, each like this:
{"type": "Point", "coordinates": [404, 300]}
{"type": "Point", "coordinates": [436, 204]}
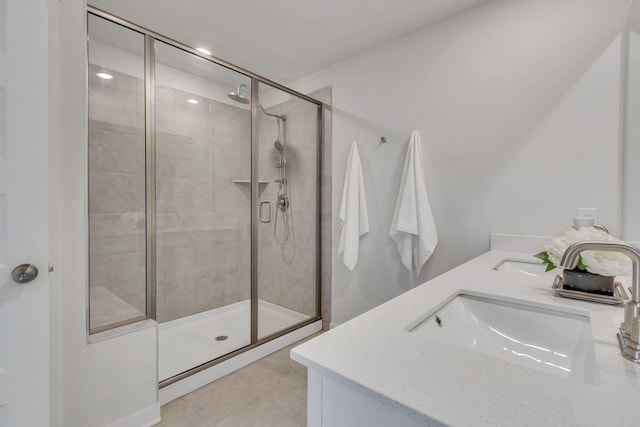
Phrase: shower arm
{"type": "Point", "coordinates": [277, 116]}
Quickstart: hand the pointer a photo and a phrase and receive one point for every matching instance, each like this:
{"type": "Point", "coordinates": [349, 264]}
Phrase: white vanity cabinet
{"type": "Point", "coordinates": [330, 403]}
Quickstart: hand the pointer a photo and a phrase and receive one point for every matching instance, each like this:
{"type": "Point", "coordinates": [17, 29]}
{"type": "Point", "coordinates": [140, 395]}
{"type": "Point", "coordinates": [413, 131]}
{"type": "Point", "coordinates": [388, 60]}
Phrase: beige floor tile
{"type": "Point", "coordinates": [261, 412]}
{"type": "Point", "coordinates": [269, 392]}
{"type": "Point", "coordinates": [180, 413]}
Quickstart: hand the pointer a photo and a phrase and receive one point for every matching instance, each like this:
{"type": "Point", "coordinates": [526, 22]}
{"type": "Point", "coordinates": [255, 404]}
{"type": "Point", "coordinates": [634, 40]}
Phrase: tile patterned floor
{"type": "Point", "coordinates": [269, 392]}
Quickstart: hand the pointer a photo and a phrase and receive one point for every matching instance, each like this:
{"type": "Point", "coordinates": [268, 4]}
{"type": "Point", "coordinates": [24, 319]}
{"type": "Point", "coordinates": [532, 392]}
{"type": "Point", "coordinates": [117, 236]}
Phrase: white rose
{"type": "Point", "coordinates": [605, 263]}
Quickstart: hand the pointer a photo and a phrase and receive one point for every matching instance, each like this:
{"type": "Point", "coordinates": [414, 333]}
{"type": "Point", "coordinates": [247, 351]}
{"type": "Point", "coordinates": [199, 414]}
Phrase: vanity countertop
{"type": "Point", "coordinates": [375, 354]}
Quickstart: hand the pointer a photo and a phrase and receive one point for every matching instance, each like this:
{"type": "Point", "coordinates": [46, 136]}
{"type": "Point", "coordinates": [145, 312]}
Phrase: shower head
{"type": "Point", "coordinates": [279, 146]}
{"type": "Point", "coordinates": [238, 96]}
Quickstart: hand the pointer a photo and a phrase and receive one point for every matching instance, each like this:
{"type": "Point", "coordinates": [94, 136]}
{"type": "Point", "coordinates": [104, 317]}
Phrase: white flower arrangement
{"type": "Point", "coordinates": [604, 263]}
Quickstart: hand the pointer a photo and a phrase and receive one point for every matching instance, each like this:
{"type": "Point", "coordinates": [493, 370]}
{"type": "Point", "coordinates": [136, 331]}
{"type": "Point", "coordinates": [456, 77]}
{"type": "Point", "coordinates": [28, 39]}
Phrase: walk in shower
{"type": "Point", "coordinates": [204, 198]}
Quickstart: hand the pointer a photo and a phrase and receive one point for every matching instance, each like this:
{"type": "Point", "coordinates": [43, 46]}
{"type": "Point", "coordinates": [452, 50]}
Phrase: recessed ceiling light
{"type": "Point", "coordinates": [204, 50]}
{"type": "Point", "coordinates": [192, 101]}
{"type": "Point", "coordinates": [105, 76]}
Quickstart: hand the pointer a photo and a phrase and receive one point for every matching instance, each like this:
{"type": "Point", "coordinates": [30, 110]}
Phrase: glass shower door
{"type": "Point", "coordinates": [204, 199]}
{"type": "Point", "coordinates": [288, 165]}
{"type": "Point", "coordinates": [203, 210]}
{"type": "Point", "coordinates": [116, 174]}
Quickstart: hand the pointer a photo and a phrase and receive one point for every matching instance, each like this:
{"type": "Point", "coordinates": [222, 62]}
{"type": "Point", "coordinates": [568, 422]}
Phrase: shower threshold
{"type": "Point", "coordinates": [191, 341]}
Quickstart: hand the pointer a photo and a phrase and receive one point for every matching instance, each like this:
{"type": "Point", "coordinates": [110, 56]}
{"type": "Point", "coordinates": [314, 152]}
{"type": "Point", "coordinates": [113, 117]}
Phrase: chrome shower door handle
{"type": "Point", "coordinates": [260, 212]}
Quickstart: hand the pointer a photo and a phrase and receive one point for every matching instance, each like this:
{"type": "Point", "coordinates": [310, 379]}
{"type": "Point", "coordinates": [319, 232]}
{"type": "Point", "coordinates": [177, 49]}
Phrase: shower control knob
{"type": "Point", "coordinates": [24, 273]}
{"type": "Point", "coordinates": [283, 202]}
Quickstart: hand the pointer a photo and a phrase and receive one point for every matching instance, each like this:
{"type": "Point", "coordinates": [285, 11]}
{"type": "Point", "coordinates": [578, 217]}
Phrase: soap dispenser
{"type": "Point", "coordinates": [586, 217]}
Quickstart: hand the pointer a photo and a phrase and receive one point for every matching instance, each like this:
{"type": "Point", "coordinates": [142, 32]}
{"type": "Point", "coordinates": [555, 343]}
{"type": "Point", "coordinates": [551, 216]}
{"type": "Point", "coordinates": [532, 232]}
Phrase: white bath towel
{"type": "Point", "coordinates": [354, 220]}
{"type": "Point", "coordinates": [413, 227]}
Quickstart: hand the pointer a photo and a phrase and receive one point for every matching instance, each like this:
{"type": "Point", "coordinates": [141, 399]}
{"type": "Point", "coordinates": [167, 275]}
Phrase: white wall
{"type": "Point", "coordinates": [110, 381]}
{"type": "Point", "coordinates": [632, 137]}
{"type": "Point", "coordinates": [517, 102]}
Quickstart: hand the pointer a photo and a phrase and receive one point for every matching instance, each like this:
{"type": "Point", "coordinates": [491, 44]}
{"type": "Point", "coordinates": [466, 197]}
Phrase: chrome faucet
{"type": "Point", "coordinates": [629, 336]}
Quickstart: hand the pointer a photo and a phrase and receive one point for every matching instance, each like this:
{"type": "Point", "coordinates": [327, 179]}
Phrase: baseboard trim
{"type": "Point", "coordinates": [145, 418]}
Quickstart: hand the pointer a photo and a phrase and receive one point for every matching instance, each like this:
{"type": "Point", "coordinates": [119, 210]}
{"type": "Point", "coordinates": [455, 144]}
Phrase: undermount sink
{"type": "Point", "coordinates": [544, 339]}
{"type": "Point", "coordinates": [526, 267]}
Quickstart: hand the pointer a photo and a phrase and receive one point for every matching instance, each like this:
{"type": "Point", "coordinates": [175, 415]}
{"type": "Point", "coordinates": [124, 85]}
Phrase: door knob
{"type": "Point", "coordinates": [24, 273]}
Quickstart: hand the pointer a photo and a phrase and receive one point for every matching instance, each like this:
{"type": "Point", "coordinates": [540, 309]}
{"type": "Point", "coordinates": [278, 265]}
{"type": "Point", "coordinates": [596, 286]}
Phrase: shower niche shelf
{"type": "Point", "coordinates": [248, 181]}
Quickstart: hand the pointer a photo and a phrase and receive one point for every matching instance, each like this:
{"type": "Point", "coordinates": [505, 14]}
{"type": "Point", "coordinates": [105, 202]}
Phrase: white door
{"type": "Point", "coordinates": [24, 228]}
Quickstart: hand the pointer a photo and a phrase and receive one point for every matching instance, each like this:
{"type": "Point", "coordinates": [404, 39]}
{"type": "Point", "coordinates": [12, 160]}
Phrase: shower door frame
{"type": "Point", "coordinates": [150, 143]}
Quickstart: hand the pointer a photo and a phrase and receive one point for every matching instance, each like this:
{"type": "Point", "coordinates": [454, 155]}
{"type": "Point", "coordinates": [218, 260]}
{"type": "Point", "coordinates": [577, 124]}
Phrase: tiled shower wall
{"type": "Point", "coordinates": [287, 272]}
{"type": "Point", "coordinates": [203, 217]}
{"type": "Point", "coordinates": [203, 252]}
{"type": "Point", "coordinates": [116, 199]}
{"type": "Point", "coordinates": [203, 247]}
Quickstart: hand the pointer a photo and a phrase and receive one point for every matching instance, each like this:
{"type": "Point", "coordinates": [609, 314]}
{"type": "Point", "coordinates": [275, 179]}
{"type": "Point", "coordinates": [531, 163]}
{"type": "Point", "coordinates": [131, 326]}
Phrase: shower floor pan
{"type": "Point", "coordinates": [193, 340]}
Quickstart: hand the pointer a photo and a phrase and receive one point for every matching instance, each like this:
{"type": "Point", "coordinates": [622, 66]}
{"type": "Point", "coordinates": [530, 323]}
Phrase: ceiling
{"type": "Point", "coordinates": [284, 40]}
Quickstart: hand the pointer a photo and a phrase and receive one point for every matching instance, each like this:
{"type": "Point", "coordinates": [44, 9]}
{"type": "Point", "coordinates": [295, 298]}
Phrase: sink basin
{"type": "Point", "coordinates": [544, 339]}
{"type": "Point", "coordinates": [526, 267]}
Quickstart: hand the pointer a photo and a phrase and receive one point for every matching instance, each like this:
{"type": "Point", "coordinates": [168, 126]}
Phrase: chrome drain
{"type": "Point", "coordinates": [221, 337]}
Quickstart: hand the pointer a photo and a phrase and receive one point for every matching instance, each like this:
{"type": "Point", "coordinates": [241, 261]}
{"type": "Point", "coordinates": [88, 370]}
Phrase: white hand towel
{"type": "Point", "coordinates": [413, 227]}
{"type": "Point", "coordinates": [354, 220]}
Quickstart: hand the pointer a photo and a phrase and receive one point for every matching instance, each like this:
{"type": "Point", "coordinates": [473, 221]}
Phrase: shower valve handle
{"type": "Point", "coordinates": [268, 220]}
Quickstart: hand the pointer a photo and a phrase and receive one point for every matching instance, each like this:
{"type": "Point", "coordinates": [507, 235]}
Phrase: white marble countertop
{"type": "Point", "coordinates": [376, 355]}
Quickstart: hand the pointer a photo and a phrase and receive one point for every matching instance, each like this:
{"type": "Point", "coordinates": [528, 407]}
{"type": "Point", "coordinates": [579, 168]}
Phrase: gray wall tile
{"type": "Point", "coordinates": [115, 193]}
{"type": "Point", "coordinates": [112, 106]}
{"type": "Point", "coordinates": [116, 152]}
